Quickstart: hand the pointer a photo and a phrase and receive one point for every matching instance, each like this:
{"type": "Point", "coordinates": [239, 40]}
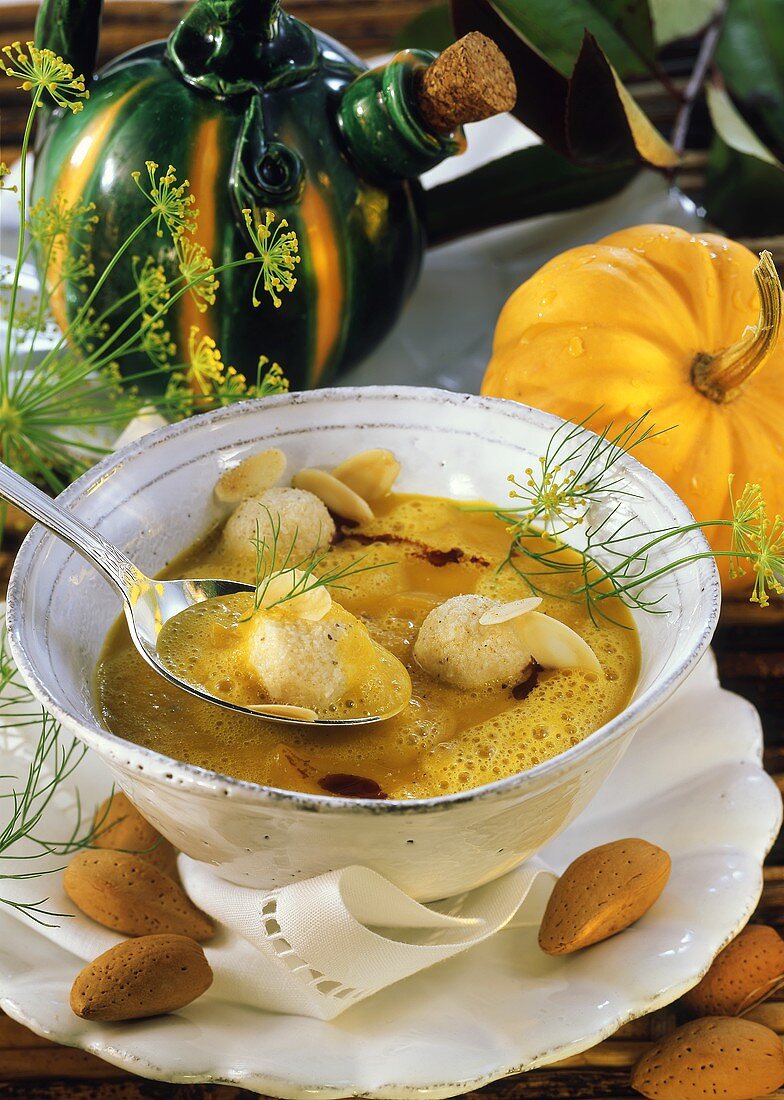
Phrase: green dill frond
{"type": "Point", "coordinates": [29, 795]}
{"type": "Point", "coordinates": [305, 574]}
{"type": "Point", "coordinates": [42, 71]}
{"type": "Point", "coordinates": [278, 251]}
{"type": "Point", "coordinates": [574, 485]}
{"type": "Point", "coordinates": [555, 495]}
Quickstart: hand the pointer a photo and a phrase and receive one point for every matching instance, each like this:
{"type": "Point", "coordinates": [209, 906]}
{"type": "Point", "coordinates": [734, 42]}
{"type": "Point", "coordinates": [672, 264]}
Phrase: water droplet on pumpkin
{"type": "Point", "coordinates": [576, 346]}
{"type": "Point", "coordinates": [548, 297]}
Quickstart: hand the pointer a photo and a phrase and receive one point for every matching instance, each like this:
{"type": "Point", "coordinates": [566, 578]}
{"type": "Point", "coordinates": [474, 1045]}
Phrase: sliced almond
{"type": "Point", "coordinates": [251, 477]}
{"type": "Point", "coordinates": [506, 611]}
{"type": "Point", "coordinates": [311, 604]}
{"type": "Point", "coordinates": [553, 644]}
{"type": "Point", "coordinates": [370, 474]}
{"type": "Point", "coordinates": [337, 496]}
{"type": "Point", "coordinates": [286, 710]}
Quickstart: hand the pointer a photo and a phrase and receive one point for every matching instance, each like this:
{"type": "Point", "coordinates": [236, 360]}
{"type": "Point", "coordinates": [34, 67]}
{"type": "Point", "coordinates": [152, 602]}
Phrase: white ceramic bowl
{"type": "Point", "coordinates": [154, 498]}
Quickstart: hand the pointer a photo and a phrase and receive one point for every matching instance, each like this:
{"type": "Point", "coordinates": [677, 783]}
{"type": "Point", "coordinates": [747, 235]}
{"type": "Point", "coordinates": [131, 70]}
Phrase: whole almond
{"type": "Point", "coordinates": [142, 977]}
{"type": "Point", "coordinates": [130, 895]}
{"type": "Point", "coordinates": [601, 893]}
{"type": "Point", "coordinates": [718, 1056]}
{"type": "Point", "coordinates": [119, 825]}
{"type": "Point", "coordinates": [747, 971]}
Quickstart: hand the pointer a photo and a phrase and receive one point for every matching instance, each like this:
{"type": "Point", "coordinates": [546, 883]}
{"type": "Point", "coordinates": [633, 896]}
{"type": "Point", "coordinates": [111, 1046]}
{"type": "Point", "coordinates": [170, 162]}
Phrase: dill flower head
{"type": "Point", "coordinates": [272, 381]}
{"type": "Point", "coordinates": [53, 219]}
{"type": "Point", "coordinates": [153, 290]}
{"type": "Point", "coordinates": [768, 561]}
{"type": "Point", "coordinates": [42, 71]}
{"type": "Point", "coordinates": [206, 366]}
{"type": "Point", "coordinates": [197, 269]}
{"type": "Point", "coordinates": [746, 512]}
{"type": "Point", "coordinates": [5, 171]}
{"type": "Point", "coordinates": [278, 251]}
{"type": "Point", "coordinates": [171, 202]}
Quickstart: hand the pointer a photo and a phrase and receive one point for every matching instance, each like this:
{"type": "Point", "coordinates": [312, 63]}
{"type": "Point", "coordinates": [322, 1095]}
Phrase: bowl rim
{"type": "Point", "coordinates": [213, 783]}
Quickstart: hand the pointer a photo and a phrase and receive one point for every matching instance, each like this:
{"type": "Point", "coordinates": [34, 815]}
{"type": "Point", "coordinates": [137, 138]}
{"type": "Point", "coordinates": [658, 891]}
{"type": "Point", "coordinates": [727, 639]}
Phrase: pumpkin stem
{"type": "Point", "coordinates": [720, 377]}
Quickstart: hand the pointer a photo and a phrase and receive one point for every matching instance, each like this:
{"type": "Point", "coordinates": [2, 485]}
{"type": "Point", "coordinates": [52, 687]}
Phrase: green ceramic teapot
{"type": "Point", "coordinates": [259, 111]}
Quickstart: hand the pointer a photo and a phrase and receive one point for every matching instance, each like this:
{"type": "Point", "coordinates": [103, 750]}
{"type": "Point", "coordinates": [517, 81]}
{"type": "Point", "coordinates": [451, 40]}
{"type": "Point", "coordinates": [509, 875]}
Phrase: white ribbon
{"type": "Point", "coordinates": [315, 948]}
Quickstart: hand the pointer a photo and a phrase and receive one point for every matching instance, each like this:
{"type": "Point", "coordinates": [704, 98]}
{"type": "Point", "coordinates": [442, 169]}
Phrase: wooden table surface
{"type": "Point", "coordinates": [749, 645]}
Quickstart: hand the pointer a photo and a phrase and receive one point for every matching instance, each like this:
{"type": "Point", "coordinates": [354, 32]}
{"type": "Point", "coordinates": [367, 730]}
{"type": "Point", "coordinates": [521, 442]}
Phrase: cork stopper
{"type": "Point", "coordinates": [471, 80]}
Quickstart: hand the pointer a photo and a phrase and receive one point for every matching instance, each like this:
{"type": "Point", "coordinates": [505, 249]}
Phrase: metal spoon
{"type": "Point", "coordinates": [150, 603]}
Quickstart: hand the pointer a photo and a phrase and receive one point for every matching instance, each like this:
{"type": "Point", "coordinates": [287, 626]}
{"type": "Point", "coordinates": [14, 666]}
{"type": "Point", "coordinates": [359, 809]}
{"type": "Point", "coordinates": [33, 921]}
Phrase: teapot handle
{"type": "Point", "coordinates": [71, 29]}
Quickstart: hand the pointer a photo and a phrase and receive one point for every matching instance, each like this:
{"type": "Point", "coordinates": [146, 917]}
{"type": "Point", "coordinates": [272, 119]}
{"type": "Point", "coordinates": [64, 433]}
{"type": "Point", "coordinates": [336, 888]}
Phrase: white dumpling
{"type": "Point", "coordinates": [307, 663]}
{"type": "Point", "coordinates": [472, 642]}
{"type": "Point", "coordinates": [455, 647]}
{"type": "Point", "coordinates": [305, 525]}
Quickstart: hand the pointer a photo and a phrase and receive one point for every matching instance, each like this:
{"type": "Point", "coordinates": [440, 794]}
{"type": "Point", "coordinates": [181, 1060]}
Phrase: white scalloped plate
{"type": "Point", "coordinates": [691, 782]}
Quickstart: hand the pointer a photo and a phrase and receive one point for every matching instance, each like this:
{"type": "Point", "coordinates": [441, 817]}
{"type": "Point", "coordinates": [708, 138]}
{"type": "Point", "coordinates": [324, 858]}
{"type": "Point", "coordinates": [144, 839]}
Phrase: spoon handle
{"type": "Point", "coordinates": [115, 566]}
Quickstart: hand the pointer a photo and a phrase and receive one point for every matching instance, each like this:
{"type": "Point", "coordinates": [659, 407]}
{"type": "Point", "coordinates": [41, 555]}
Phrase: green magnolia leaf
{"type": "Point", "coordinates": [744, 191]}
{"type": "Point", "coordinates": [730, 125]}
{"type": "Point", "coordinates": [588, 116]}
{"type": "Point", "coordinates": [556, 30]}
{"type": "Point", "coordinates": [524, 184]}
{"type": "Point", "coordinates": [676, 19]}
{"type": "Point", "coordinates": [751, 58]}
{"type": "Point", "coordinates": [430, 30]}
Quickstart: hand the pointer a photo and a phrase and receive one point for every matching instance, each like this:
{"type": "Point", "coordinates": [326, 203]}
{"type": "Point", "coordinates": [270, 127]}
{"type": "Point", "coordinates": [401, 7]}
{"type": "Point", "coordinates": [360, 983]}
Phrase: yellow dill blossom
{"type": "Point", "coordinates": [272, 381]}
{"type": "Point", "coordinates": [153, 290]}
{"type": "Point", "coordinates": [767, 560]}
{"type": "Point", "coordinates": [197, 269]}
{"type": "Point", "coordinates": [43, 71]}
{"type": "Point", "coordinates": [746, 512]}
{"type": "Point", "coordinates": [206, 367]}
{"type": "Point", "coordinates": [151, 282]}
{"type": "Point", "coordinates": [757, 541]}
{"type": "Point", "coordinates": [278, 251]}
{"type": "Point", "coordinates": [53, 219]}
{"type": "Point", "coordinates": [5, 171]}
{"type": "Point", "coordinates": [171, 202]}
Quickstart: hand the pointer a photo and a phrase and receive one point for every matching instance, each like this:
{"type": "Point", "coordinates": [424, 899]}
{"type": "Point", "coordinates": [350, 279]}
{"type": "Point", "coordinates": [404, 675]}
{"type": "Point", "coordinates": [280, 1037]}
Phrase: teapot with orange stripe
{"type": "Point", "coordinates": [259, 111]}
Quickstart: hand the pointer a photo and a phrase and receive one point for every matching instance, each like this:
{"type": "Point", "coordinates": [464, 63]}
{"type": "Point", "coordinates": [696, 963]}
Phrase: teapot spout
{"type": "Point", "coordinates": [71, 28]}
{"type": "Point", "coordinates": [406, 117]}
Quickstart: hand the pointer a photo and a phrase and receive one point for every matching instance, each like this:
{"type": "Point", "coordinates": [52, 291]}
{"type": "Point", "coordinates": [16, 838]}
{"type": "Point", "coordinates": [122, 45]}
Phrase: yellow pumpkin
{"type": "Point", "coordinates": [656, 318]}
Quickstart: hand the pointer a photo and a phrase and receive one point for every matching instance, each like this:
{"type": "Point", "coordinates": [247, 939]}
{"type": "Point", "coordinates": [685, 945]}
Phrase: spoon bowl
{"type": "Point", "coordinates": [150, 603]}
